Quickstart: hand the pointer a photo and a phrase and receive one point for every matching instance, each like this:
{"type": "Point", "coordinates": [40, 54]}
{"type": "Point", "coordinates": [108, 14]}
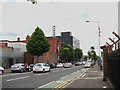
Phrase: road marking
{"type": "Point", "coordinates": [56, 71]}
{"type": "Point", "coordinates": [67, 69]}
{"type": "Point", "coordinates": [17, 78]}
{"type": "Point", "coordinates": [104, 86]}
{"type": "Point", "coordinates": [64, 76]}
{"type": "Point", "coordinates": [16, 74]}
{"type": "Point", "coordinates": [83, 75]}
{"type": "Point", "coordinates": [87, 78]}
{"type": "Point", "coordinates": [44, 85]}
{"type": "Point", "coordinates": [71, 81]}
{"type": "Point", "coordinates": [61, 85]}
{"type": "Point", "coordinates": [42, 74]}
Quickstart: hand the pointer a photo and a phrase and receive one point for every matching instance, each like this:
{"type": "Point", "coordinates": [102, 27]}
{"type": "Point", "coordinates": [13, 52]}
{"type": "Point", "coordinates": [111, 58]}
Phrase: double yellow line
{"type": "Point", "coordinates": [60, 86]}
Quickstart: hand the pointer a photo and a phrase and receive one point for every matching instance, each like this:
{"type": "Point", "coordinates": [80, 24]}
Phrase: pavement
{"type": "Point", "coordinates": [93, 78]}
{"type": "Point", "coordinates": [7, 71]}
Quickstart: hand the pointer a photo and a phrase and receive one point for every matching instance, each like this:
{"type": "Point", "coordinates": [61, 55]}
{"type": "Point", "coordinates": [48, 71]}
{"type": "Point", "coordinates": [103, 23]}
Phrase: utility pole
{"type": "Point", "coordinates": [99, 34]}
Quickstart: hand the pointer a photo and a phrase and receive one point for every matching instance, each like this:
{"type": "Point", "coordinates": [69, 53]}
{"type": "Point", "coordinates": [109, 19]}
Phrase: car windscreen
{"type": "Point", "coordinates": [37, 65]}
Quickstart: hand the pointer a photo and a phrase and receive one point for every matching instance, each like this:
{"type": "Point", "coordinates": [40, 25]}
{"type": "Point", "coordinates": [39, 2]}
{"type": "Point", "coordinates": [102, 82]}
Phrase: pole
{"type": "Point", "coordinates": [98, 34]}
{"type": "Point", "coordinates": [99, 38]}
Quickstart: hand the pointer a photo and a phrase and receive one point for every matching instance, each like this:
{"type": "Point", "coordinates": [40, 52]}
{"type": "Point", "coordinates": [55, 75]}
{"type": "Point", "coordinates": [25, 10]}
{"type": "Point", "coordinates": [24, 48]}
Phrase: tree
{"type": "Point", "coordinates": [65, 54]}
{"type": "Point", "coordinates": [92, 48]}
{"type": "Point", "coordinates": [89, 54]}
{"type": "Point", "coordinates": [78, 54]}
{"type": "Point", "coordinates": [38, 44]}
{"type": "Point", "coordinates": [92, 54]}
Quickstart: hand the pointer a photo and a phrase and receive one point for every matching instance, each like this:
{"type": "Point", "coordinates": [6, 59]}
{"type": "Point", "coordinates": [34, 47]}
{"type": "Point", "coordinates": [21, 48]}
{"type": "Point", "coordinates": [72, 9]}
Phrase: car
{"type": "Point", "coordinates": [41, 67]}
{"type": "Point", "coordinates": [87, 65]}
{"type": "Point", "coordinates": [83, 62]}
{"type": "Point", "coordinates": [52, 65]}
{"type": "Point", "coordinates": [59, 65]}
{"type": "Point", "coordinates": [67, 65]}
{"type": "Point", "coordinates": [77, 64]}
{"type": "Point", "coordinates": [1, 69]}
{"type": "Point", "coordinates": [31, 66]}
{"type": "Point", "coordinates": [18, 67]}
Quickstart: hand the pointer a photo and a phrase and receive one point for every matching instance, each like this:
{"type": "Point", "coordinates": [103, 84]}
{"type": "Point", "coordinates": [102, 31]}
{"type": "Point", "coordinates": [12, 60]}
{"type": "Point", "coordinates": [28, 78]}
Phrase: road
{"type": "Point", "coordinates": [40, 80]}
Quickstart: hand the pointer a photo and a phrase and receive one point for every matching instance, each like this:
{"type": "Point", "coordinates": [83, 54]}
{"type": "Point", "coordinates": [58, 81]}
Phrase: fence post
{"type": "Point", "coordinates": [105, 62]}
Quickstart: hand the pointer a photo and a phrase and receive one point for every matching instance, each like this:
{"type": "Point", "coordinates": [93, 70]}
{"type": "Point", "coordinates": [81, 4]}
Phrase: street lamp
{"type": "Point", "coordinates": [98, 35]}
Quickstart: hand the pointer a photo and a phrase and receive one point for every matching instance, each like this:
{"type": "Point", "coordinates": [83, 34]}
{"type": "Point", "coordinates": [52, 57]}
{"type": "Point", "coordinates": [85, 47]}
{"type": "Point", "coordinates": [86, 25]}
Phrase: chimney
{"type": "Point", "coordinates": [27, 38]}
{"type": "Point", "coordinates": [18, 39]}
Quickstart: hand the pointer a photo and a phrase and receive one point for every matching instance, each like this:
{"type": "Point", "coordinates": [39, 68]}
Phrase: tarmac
{"type": "Point", "coordinates": [93, 78]}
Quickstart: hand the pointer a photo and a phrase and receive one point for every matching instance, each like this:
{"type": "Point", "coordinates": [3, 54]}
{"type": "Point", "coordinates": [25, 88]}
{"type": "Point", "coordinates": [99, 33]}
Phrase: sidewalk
{"type": "Point", "coordinates": [93, 78]}
{"type": "Point", "coordinates": [7, 71]}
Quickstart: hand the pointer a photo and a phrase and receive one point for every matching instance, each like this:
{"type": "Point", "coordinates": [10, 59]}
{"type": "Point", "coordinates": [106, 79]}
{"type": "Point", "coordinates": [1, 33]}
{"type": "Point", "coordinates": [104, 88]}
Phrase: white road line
{"type": "Point", "coordinates": [16, 74]}
{"type": "Point", "coordinates": [56, 71]}
{"type": "Point", "coordinates": [83, 75]}
{"type": "Point", "coordinates": [64, 76]}
{"type": "Point", "coordinates": [17, 78]}
{"type": "Point", "coordinates": [44, 85]}
{"type": "Point", "coordinates": [42, 74]}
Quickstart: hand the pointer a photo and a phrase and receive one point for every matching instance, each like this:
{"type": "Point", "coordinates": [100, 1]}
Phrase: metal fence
{"type": "Point", "coordinates": [114, 68]}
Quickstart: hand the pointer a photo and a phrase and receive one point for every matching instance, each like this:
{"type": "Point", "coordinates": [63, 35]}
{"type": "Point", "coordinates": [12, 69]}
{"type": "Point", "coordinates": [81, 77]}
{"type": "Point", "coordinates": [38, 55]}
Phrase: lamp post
{"type": "Point", "coordinates": [98, 32]}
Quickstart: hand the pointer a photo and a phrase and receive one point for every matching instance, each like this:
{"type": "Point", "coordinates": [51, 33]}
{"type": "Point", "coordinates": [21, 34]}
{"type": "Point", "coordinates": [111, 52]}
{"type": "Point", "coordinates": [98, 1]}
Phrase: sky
{"type": "Point", "coordinates": [19, 18]}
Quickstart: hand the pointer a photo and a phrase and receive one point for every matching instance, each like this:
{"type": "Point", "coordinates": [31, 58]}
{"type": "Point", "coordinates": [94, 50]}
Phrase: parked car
{"type": "Point", "coordinates": [41, 67]}
{"type": "Point", "coordinates": [83, 62]}
{"type": "Point", "coordinates": [1, 69]}
{"type": "Point", "coordinates": [87, 65]}
{"type": "Point", "coordinates": [59, 65]}
{"type": "Point", "coordinates": [52, 65]}
{"type": "Point", "coordinates": [19, 67]}
{"type": "Point", "coordinates": [67, 65]}
{"type": "Point", "coordinates": [31, 66]}
{"type": "Point", "coordinates": [78, 63]}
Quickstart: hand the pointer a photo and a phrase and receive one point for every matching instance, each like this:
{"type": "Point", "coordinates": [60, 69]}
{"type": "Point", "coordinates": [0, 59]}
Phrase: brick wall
{"type": "Point", "coordinates": [49, 57]}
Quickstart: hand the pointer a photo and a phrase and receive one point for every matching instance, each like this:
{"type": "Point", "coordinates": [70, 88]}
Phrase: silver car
{"type": "Point", "coordinates": [67, 65]}
{"type": "Point", "coordinates": [19, 67]}
{"type": "Point", "coordinates": [41, 67]}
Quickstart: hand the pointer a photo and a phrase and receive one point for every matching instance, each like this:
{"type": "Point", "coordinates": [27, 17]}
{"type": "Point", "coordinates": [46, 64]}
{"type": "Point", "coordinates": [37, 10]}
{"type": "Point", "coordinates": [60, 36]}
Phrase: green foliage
{"type": "Point", "coordinates": [65, 54]}
{"type": "Point", "coordinates": [85, 57]}
{"type": "Point", "coordinates": [78, 54]}
{"type": "Point", "coordinates": [89, 54]}
{"type": "Point", "coordinates": [92, 48]}
{"type": "Point", "coordinates": [68, 54]}
{"type": "Point", "coordinates": [92, 54]}
{"type": "Point", "coordinates": [38, 43]}
{"type": "Point", "coordinates": [67, 46]}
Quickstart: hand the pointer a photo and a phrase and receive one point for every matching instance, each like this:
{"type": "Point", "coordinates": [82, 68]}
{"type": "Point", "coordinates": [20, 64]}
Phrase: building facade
{"type": "Point", "coordinates": [11, 52]}
{"type": "Point", "coordinates": [67, 38]}
{"type": "Point", "coordinates": [49, 57]}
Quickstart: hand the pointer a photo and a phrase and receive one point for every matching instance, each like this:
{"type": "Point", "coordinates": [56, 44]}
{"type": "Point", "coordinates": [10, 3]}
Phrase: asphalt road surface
{"type": "Point", "coordinates": [36, 80]}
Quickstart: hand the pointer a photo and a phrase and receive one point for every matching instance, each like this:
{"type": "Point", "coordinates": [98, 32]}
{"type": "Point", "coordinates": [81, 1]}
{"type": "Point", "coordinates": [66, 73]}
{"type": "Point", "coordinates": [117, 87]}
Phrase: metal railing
{"type": "Point", "coordinates": [114, 68]}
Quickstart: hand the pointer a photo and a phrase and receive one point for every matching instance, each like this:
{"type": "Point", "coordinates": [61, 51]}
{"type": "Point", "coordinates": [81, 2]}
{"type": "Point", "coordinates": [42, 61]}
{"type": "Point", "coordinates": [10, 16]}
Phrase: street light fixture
{"type": "Point", "coordinates": [99, 33]}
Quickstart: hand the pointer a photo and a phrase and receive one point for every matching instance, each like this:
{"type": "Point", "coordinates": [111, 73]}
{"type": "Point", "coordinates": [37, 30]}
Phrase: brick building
{"type": "Point", "coordinates": [48, 57]}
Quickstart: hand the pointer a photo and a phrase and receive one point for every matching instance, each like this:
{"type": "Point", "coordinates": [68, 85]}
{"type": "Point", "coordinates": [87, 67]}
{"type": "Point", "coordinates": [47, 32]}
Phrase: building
{"type": "Point", "coordinates": [67, 38]}
{"type": "Point", "coordinates": [55, 45]}
{"type": "Point", "coordinates": [12, 52]}
{"type": "Point", "coordinates": [19, 53]}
